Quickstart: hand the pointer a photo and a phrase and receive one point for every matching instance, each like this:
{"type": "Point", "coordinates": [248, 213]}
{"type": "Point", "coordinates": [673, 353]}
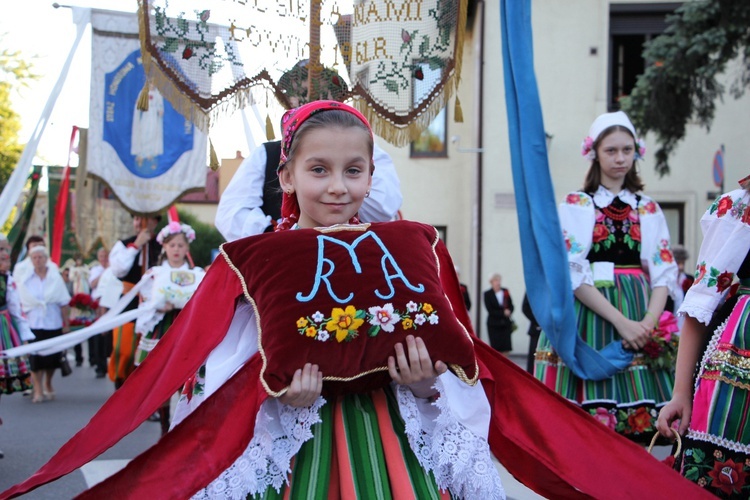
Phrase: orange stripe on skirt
{"type": "Point", "coordinates": [346, 480]}
{"type": "Point", "coordinates": [398, 475]}
{"type": "Point", "coordinates": [124, 343]}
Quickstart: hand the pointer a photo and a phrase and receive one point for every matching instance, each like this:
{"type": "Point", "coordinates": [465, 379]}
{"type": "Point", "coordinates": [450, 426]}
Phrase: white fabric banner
{"type": "Point", "coordinates": [148, 158]}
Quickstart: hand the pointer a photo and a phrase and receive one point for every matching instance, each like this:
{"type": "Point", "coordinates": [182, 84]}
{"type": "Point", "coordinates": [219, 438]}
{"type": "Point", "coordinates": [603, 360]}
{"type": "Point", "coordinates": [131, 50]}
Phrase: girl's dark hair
{"type": "Point", "coordinates": [326, 119]}
{"type": "Point", "coordinates": [633, 182]}
{"type": "Point", "coordinates": [163, 254]}
{"type": "Point", "coordinates": [34, 239]}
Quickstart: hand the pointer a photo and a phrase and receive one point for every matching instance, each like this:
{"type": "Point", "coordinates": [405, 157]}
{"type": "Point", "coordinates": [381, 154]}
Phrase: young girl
{"type": "Point", "coordinates": [424, 432]}
{"type": "Point", "coordinates": [712, 407]}
{"type": "Point", "coordinates": [170, 286]}
{"type": "Point", "coordinates": [621, 267]}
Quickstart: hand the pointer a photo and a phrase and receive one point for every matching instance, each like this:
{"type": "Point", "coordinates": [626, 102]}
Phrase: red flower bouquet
{"type": "Point", "coordinates": [83, 309]}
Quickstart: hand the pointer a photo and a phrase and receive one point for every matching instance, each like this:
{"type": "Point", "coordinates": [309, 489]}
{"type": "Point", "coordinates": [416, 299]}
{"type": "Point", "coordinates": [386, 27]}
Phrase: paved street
{"type": "Point", "coordinates": [31, 433]}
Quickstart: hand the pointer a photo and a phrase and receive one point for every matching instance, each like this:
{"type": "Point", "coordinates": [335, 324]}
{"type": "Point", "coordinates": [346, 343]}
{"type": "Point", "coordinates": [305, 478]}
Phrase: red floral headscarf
{"type": "Point", "coordinates": [290, 123]}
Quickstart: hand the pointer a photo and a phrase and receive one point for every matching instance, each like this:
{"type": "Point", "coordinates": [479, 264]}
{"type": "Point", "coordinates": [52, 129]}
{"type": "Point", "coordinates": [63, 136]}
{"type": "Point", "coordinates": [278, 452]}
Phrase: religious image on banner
{"type": "Point", "coordinates": [211, 58]}
{"type": "Point", "coordinates": [149, 158]}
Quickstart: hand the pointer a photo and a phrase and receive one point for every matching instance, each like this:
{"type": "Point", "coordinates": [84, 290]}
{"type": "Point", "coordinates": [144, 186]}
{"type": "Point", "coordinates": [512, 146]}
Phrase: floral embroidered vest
{"type": "Point", "coordinates": [617, 234]}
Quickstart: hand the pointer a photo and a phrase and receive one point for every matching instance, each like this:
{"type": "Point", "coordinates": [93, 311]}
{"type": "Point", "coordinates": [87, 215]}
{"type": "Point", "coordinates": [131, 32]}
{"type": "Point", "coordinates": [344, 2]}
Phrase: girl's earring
{"type": "Point", "coordinates": [367, 194]}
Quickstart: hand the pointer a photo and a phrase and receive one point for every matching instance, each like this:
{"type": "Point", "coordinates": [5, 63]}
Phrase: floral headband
{"type": "Point", "coordinates": [175, 227]}
{"type": "Point", "coordinates": [293, 119]}
{"type": "Point", "coordinates": [602, 123]}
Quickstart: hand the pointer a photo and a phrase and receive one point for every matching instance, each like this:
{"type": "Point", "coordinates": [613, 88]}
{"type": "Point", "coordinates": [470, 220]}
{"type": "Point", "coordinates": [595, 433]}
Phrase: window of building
{"type": "Point", "coordinates": [432, 143]}
{"type": "Point", "coordinates": [631, 25]}
{"type": "Point", "coordinates": [674, 212]}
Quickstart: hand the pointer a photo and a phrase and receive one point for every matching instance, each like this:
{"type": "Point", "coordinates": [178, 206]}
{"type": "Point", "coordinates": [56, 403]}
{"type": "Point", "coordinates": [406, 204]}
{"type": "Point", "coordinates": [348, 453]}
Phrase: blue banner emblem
{"type": "Point", "coordinates": [147, 142]}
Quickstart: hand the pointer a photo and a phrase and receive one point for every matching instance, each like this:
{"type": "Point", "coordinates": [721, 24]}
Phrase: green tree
{"type": "Point", "coordinates": [681, 82]}
{"type": "Point", "coordinates": [15, 72]}
{"type": "Point", "coordinates": [207, 238]}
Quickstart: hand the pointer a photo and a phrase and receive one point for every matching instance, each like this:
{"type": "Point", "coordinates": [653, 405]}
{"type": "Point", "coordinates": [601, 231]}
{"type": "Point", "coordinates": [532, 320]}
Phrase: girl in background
{"type": "Point", "coordinates": [620, 267]}
{"type": "Point", "coordinates": [170, 286]}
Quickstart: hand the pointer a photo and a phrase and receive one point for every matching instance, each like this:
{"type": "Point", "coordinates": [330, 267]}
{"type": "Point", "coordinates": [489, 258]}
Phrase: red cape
{"type": "Point", "coordinates": [547, 443]}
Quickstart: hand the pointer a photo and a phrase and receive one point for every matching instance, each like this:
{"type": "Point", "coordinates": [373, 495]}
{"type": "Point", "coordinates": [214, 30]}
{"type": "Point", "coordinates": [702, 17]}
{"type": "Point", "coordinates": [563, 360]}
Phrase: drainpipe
{"type": "Point", "coordinates": [480, 144]}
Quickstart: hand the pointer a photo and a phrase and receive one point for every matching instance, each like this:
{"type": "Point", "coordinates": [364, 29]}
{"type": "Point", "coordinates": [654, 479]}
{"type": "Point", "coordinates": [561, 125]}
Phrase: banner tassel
{"type": "Point", "coordinates": [269, 129]}
{"type": "Point", "coordinates": [458, 113]}
{"type": "Point", "coordinates": [142, 102]}
{"type": "Point", "coordinates": [213, 158]}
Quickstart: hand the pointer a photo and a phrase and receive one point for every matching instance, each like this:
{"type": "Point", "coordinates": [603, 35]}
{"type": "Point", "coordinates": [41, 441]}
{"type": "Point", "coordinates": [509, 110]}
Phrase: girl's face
{"type": "Point", "coordinates": [176, 250]}
{"type": "Point", "coordinates": [330, 173]}
{"type": "Point", "coordinates": [616, 154]}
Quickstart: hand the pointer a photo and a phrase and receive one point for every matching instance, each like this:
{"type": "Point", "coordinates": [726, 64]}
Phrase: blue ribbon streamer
{"type": "Point", "coordinates": [545, 262]}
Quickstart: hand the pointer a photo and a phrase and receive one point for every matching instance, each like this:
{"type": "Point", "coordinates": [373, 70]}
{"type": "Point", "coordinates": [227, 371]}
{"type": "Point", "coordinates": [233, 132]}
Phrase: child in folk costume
{"type": "Point", "coordinates": [621, 268]}
{"type": "Point", "coordinates": [170, 286]}
{"type": "Point", "coordinates": [333, 359]}
{"type": "Point", "coordinates": [712, 407]}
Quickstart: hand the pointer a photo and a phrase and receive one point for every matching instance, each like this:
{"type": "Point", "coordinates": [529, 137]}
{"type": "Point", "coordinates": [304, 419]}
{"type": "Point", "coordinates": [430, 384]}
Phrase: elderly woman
{"type": "Point", "coordinates": [44, 299]}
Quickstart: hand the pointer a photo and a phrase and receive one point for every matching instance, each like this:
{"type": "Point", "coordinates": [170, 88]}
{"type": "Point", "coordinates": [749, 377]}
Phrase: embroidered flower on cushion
{"type": "Point", "coordinates": [383, 317]}
{"type": "Point", "coordinates": [318, 317]}
{"type": "Point", "coordinates": [729, 477]}
{"type": "Point", "coordinates": [427, 308]}
{"type": "Point", "coordinates": [345, 322]}
{"type": "Point", "coordinates": [407, 323]}
{"type": "Point", "coordinates": [302, 323]}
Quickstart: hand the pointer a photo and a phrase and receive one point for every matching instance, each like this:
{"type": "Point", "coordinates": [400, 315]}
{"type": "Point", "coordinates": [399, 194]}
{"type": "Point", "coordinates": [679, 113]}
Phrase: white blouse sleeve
{"type": "Point", "coordinates": [577, 218]}
{"type": "Point", "coordinates": [14, 308]}
{"type": "Point", "coordinates": [149, 314]}
{"type": "Point", "coordinates": [656, 254]}
{"type": "Point", "coordinates": [385, 193]}
{"type": "Point", "coordinates": [121, 259]}
{"type": "Point", "coordinates": [726, 242]}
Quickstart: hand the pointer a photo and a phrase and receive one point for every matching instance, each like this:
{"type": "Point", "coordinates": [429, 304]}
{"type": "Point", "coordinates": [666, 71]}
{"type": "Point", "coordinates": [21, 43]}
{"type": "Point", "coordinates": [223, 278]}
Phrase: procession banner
{"type": "Point", "coordinates": [147, 158]}
{"type": "Point", "coordinates": [209, 59]}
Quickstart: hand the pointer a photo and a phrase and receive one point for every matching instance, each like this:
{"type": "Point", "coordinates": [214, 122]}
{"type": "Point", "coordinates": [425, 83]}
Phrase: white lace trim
{"type": "Point", "coordinates": [266, 460]}
{"type": "Point", "coordinates": [723, 442]}
{"type": "Point", "coordinates": [460, 460]}
{"type": "Point", "coordinates": [699, 313]}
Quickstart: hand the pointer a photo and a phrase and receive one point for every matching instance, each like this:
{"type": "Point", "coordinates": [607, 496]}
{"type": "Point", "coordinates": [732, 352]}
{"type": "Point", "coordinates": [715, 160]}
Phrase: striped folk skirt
{"type": "Point", "coordinates": [14, 372]}
{"type": "Point", "coordinates": [628, 402]}
{"type": "Point", "coordinates": [122, 360]}
{"type": "Point", "coordinates": [716, 451]}
{"type": "Point", "coordinates": [359, 451]}
{"type": "Point", "coordinates": [147, 342]}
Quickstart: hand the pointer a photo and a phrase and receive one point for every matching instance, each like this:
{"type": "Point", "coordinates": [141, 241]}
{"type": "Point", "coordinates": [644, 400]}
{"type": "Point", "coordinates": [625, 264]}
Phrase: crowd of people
{"type": "Point", "coordinates": [288, 412]}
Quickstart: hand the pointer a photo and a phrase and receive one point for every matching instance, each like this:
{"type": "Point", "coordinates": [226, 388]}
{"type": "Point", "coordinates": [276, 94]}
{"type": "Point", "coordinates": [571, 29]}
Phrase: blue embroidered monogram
{"type": "Point", "coordinates": [322, 276]}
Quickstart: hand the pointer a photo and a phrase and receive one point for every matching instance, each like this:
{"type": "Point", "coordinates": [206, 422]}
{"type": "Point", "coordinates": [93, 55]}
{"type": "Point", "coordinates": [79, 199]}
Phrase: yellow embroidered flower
{"type": "Point", "coordinates": [311, 331]}
{"type": "Point", "coordinates": [301, 323]}
{"type": "Point", "coordinates": [344, 322]}
{"type": "Point", "coordinates": [407, 323]}
{"type": "Point", "coordinates": [427, 308]}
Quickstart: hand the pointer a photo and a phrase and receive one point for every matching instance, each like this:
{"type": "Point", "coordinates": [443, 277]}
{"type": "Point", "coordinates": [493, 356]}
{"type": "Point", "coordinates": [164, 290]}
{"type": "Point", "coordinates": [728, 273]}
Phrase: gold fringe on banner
{"type": "Point", "coordinates": [269, 129]}
{"type": "Point", "coordinates": [213, 158]}
{"type": "Point", "coordinates": [458, 113]}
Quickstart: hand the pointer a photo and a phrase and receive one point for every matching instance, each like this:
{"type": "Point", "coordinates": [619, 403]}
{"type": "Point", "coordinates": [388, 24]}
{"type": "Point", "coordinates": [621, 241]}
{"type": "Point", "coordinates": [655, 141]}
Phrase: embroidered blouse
{"type": "Point", "coordinates": [726, 243]}
{"type": "Point", "coordinates": [607, 230]}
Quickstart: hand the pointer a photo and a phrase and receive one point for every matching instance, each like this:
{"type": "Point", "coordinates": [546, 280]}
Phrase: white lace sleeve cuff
{"type": "Point", "coordinates": [459, 459]}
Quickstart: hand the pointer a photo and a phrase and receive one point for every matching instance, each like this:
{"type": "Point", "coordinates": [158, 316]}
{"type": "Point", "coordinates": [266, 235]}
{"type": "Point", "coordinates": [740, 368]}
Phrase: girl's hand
{"type": "Point", "coordinates": [415, 369]}
{"type": "Point", "coordinates": [635, 335]}
{"type": "Point", "coordinates": [678, 407]}
{"type": "Point", "coordinates": [305, 388]}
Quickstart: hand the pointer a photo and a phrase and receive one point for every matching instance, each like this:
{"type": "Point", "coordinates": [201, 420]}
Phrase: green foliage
{"type": "Point", "coordinates": [207, 238]}
{"type": "Point", "coordinates": [14, 72]}
{"type": "Point", "coordinates": [680, 84]}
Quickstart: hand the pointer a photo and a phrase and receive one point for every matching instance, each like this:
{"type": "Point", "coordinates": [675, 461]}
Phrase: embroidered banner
{"type": "Point", "coordinates": [211, 58]}
{"type": "Point", "coordinates": [148, 158]}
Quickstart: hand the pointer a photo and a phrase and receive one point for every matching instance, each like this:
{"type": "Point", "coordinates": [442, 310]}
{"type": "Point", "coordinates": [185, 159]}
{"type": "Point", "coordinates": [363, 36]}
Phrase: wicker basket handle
{"type": "Point", "coordinates": [677, 438]}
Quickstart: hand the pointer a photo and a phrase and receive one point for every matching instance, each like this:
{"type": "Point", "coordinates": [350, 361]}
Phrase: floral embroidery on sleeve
{"type": "Point", "coordinates": [577, 199]}
{"type": "Point", "coordinates": [344, 323]}
{"type": "Point", "coordinates": [713, 277]}
{"type": "Point", "coordinates": [726, 206]}
{"type": "Point", "coordinates": [663, 254]}
{"type": "Point", "coordinates": [571, 244]}
{"type": "Point", "coordinates": [648, 208]}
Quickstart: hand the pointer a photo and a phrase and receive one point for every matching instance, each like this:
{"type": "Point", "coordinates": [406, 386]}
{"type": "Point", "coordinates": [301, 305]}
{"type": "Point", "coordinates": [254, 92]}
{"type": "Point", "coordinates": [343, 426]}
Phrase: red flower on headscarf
{"type": "Point", "coordinates": [601, 233]}
{"type": "Point", "coordinates": [725, 204]}
{"type": "Point", "coordinates": [728, 476]}
{"type": "Point", "coordinates": [724, 281]}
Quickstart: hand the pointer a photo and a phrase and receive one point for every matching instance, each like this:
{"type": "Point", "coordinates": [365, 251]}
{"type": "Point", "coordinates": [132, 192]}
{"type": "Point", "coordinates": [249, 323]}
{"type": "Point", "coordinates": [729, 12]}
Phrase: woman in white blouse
{"type": "Point", "coordinates": [44, 299]}
{"type": "Point", "coordinates": [621, 269]}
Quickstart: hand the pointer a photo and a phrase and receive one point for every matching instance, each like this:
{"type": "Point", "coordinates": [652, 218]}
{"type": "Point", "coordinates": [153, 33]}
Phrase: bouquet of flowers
{"type": "Point", "coordinates": [661, 351]}
{"type": "Point", "coordinates": [83, 309]}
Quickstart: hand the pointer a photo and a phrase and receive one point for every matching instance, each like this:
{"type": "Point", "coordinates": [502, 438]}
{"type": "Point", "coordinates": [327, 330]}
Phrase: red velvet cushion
{"type": "Point", "coordinates": [318, 294]}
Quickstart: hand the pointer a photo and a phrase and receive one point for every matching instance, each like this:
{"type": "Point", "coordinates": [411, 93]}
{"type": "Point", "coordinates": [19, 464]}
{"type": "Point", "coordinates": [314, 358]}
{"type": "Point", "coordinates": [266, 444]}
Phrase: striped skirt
{"type": "Point", "coordinates": [359, 451]}
{"type": "Point", "coordinates": [122, 361]}
{"type": "Point", "coordinates": [14, 372]}
{"type": "Point", "coordinates": [716, 451]}
{"type": "Point", "coordinates": [147, 342]}
{"type": "Point", "coordinates": [628, 402]}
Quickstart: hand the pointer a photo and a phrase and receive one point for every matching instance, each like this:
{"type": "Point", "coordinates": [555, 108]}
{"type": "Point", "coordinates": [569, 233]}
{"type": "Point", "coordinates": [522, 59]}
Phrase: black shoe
{"type": "Point", "coordinates": [2, 455]}
{"type": "Point", "coordinates": [79, 362]}
{"type": "Point", "coordinates": [100, 375]}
